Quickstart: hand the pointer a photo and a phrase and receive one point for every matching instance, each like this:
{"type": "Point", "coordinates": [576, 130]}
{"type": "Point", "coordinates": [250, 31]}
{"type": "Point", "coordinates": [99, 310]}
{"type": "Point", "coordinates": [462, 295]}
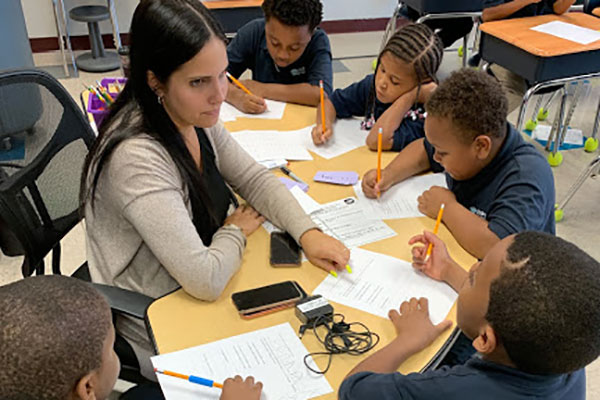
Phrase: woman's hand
{"type": "Point", "coordinates": [324, 251]}
{"type": "Point", "coordinates": [246, 218]}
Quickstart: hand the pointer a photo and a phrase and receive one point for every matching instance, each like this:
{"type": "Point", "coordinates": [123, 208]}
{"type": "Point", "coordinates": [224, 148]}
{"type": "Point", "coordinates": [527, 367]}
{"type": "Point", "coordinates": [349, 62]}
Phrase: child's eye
{"type": "Point", "coordinates": [274, 44]}
{"type": "Point", "coordinates": [394, 82]}
{"type": "Point", "coordinates": [295, 48]}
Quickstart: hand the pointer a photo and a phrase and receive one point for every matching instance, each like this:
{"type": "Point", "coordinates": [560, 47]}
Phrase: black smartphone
{"type": "Point", "coordinates": [285, 252]}
{"type": "Point", "coordinates": [271, 296]}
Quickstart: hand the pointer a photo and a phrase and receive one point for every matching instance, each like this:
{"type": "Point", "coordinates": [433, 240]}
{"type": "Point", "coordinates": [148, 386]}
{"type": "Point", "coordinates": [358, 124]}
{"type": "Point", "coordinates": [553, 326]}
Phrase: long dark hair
{"type": "Point", "coordinates": [414, 44]}
{"type": "Point", "coordinates": [164, 35]}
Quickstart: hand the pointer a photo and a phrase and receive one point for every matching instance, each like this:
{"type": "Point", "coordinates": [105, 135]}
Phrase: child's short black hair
{"type": "Point", "coordinates": [294, 12]}
{"type": "Point", "coordinates": [475, 103]}
{"type": "Point", "coordinates": [52, 333]}
{"type": "Point", "coordinates": [545, 305]}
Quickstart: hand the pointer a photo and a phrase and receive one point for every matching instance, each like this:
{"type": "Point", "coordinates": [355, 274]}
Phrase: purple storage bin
{"type": "Point", "coordinates": [96, 107]}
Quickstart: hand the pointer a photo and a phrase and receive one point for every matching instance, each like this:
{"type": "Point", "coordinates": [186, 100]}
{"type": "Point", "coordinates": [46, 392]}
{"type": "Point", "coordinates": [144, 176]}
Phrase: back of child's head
{"type": "Point", "coordinates": [294, 12]}
{"type": "Point", "coordinates": [419, 46]}
{"type": "Point", "coordinates": [53, 330]}
{"type": "Point", "coordinates": [474, 102]}
{"type": "Point", "coordinates": [545, 305]}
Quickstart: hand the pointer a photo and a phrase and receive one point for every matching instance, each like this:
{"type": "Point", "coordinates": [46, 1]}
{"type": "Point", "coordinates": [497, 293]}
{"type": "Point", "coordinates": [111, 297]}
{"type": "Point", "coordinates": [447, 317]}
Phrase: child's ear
{"type": "Point", "coordinates": [84, 389]}
{"type": "Point", "coordinates": [483, 146]}
{"type": "Point", "coordinates": [486, 342]}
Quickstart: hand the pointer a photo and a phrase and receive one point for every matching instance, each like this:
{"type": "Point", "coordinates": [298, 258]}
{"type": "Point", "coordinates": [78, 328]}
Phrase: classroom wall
{"type": "Point", "coordinates": [39, 15]}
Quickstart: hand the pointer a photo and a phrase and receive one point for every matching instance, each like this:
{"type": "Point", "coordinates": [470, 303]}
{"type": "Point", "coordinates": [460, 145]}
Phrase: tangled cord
{"type": "Point", "coordinates": [340, 339]}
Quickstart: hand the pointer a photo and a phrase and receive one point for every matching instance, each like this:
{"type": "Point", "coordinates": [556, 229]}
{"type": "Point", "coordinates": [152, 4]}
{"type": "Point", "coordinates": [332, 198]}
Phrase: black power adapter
{"type": "Point", "coordinates": [313, 311]}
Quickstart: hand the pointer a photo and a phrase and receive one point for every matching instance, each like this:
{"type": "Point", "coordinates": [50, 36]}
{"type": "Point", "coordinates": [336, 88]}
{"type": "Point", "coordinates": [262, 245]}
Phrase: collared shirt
{"type": "Point", "coordinates": [248, 50]}
{"type": "Point", "coordinates": [542, 8]}
{"type": "Point", "coordinates": [514, 192]}
{"type": "Point", "coordinates": [354, 101]}
{"type": "Point", "coordinates": [477, 379]}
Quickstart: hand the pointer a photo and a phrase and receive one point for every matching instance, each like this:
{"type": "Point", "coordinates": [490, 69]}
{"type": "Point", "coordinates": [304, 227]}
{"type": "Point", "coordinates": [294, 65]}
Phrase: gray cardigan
{"type": "Point", "coordinates": [140, 234]}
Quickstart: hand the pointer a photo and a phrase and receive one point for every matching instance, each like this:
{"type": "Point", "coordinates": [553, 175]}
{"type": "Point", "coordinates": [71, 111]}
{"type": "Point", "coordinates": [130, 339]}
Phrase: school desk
{"type": "Point", "coordinates": [233, 14]}
{"type": "Point", "coordinates": [178, 321]}
{"type": "Point", "coordinates": [543, 60]}
{"type": "Point", "coordinates": [444, 9]}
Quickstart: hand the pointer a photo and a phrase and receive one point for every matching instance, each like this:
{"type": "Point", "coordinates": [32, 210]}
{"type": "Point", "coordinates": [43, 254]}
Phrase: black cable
{"type": "Point", "coordinates": [340, 338]}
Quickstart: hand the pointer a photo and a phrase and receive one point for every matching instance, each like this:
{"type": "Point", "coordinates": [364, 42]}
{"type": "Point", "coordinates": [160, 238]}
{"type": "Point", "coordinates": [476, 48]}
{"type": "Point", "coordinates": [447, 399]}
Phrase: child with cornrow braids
{"type": "Point", "coordinates": [393, 98]}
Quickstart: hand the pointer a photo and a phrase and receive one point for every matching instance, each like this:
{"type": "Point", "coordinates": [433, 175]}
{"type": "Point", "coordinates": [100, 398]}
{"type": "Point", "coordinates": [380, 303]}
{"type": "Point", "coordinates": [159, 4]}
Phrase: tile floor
{"type": "Point", "coordinates": [354, 54]}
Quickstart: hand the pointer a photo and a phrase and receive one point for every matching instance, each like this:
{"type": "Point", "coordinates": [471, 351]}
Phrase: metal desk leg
{"type": "Point", "coordinates": [465, 51]}
{"type": "Point", "coordinates": [591, 144]}
{"type": "Point", "coordinates": [523, 108]}
{"type": "Point", "coordinates": [592, 169]}
{"type": "Point", "coordinates": [115, 25]}
{"type": "Point", "coordinates": [68, 37]}
{"type": "Point", "coordinates": [555, 158]}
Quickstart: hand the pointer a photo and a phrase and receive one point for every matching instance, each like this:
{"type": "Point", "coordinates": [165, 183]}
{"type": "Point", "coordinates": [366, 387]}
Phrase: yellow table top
{"type": "Point", "coordinates": [179, 321]}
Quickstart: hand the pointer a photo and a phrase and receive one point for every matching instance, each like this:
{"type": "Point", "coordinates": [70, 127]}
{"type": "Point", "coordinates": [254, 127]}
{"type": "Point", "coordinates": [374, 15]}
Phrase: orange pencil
{"type": "Point", "coordinates": [435, 230]}
{"type": "Point", "coordinates": [322, 107]}
{"type": "Point", "coordinates": [239, 84]}
{"type": "Point", "coordinates": [379, 140]}
{"type": "Point", "coordinates": [191, 378]}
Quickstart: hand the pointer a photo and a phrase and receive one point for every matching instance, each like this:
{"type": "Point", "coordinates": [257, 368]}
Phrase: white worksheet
{"type": "Point", "coordinates": [273, 356]}
{"type": "Point", "coordinates": [380, 283]}
{"type": "Point", "coordinates": [399, 201]}
{"type": "Point", "coordinates": [307, 203]}
{"type": "Point", "coordinates": [269, 145]}
{"type": "Point", "coordinates": [347, 136]}
{"type": "Point", "coordinates": [574, 33]}
{"type": "Point", "coordinates": [346, 221]}
{"type": "Point", "coordinates": [275, 110]}
{"type": "Point", "coordinates": [573, 136]}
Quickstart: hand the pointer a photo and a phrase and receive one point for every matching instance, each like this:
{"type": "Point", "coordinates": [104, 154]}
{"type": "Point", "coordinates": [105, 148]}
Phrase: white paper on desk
{"type": "Point", "coordinates": [273, 356]}
{"type": "Point", "coordinates": [400, 201]}
{"type": "Point", "coordinates": [380, 283]}
{"type": "Point", "coordinates": [307, 203]}
{"type": "Point", "coordinates": [346, 221]}
{"type": "Point", "coordinates": [275, 110]}
{"type": "Point", "coordinates": [572, 32]}
{"type": "Point", "coordinates": [269, 145]}
{"type": "Point", "coordinates": [573, 136]}
{"type": "Point", "coordinates": [347, 136]}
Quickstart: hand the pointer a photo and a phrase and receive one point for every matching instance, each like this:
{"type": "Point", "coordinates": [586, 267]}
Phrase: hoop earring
{"type": "Point", "coordinates": [160, 100]}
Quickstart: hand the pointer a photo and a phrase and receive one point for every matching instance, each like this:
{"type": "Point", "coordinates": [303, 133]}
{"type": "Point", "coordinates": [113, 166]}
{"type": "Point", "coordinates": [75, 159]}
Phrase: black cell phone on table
{"type": "Point", "coordinates": [285, 252]}
{"type": "Point", "coordinates": [277, 295]}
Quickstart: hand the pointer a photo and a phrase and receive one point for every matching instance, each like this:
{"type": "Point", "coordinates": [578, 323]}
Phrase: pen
{"type": "Point", "coordinates": [379, 140]}
{"type": "Point", "coordinates": [435, 230]}
{"type": "Point", "coordinates": [191, 378]}
{"type": "Point", "coordinates": [292, 175]}
{"type": "Point", "coordinates": [239, 84]}
{"type": "Point", "coordinates": [322, 93]}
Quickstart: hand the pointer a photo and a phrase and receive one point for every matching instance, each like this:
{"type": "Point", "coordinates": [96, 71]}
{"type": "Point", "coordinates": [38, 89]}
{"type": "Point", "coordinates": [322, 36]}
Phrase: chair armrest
{"type": "Point", "coordinates": [125, 301]}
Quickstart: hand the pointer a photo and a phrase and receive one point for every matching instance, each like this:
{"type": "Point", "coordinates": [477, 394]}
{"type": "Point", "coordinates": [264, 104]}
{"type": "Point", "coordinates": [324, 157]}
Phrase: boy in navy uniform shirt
{"type": "Point", "coordinates": [57, 343]}
{"type": "Point", "coordinates": [498, 184]}
{"type": "Point", "coordinates": [531, 308]}
{"type": "Point", "coordinates": [287, 54]}
{"type": "Point", "coordinates": [514, 85]}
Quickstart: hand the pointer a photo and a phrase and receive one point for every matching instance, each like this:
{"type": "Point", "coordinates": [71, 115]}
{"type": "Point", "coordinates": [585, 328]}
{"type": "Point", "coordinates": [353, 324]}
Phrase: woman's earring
{"type": "Point", "coordinates": [160, 100]}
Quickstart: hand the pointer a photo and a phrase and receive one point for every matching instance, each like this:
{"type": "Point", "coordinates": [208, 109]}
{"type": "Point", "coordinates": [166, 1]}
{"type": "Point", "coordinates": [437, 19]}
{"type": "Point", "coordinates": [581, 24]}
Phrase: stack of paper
{"type": "Point", "coordinates": [380, 283]}
{"type": "Point", "coordinates": [274, 356]}
{"type": "Point", "coordinates": [400, 201]}
{"type": "Point", "coordinates": [275, 110]}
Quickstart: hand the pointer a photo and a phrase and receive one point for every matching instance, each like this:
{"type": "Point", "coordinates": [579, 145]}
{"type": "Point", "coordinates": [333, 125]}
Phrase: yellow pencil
{"type": "Point", "coordinates": [322, 92]}
{"type": "Point", "coordinates": [379, 143]}
{"type": "Point", "coordinates": [239, 84]}
{"type": "Point", "coordinates": [435, 230]}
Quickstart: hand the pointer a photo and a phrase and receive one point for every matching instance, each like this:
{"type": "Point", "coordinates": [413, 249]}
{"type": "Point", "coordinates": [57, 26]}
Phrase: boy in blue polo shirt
{"type": "Point", "coordinates": [498, 183]}
{"type": "Point", "coordinates": [531, 308]}
{"type": "Point", "coordinates": [514, 85]}
{"type": "Point", "coordinates": [287, 54]}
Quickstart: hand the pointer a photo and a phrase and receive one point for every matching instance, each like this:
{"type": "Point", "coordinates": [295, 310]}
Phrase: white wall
{"type": "Point", "coordinates": [39, 15]}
